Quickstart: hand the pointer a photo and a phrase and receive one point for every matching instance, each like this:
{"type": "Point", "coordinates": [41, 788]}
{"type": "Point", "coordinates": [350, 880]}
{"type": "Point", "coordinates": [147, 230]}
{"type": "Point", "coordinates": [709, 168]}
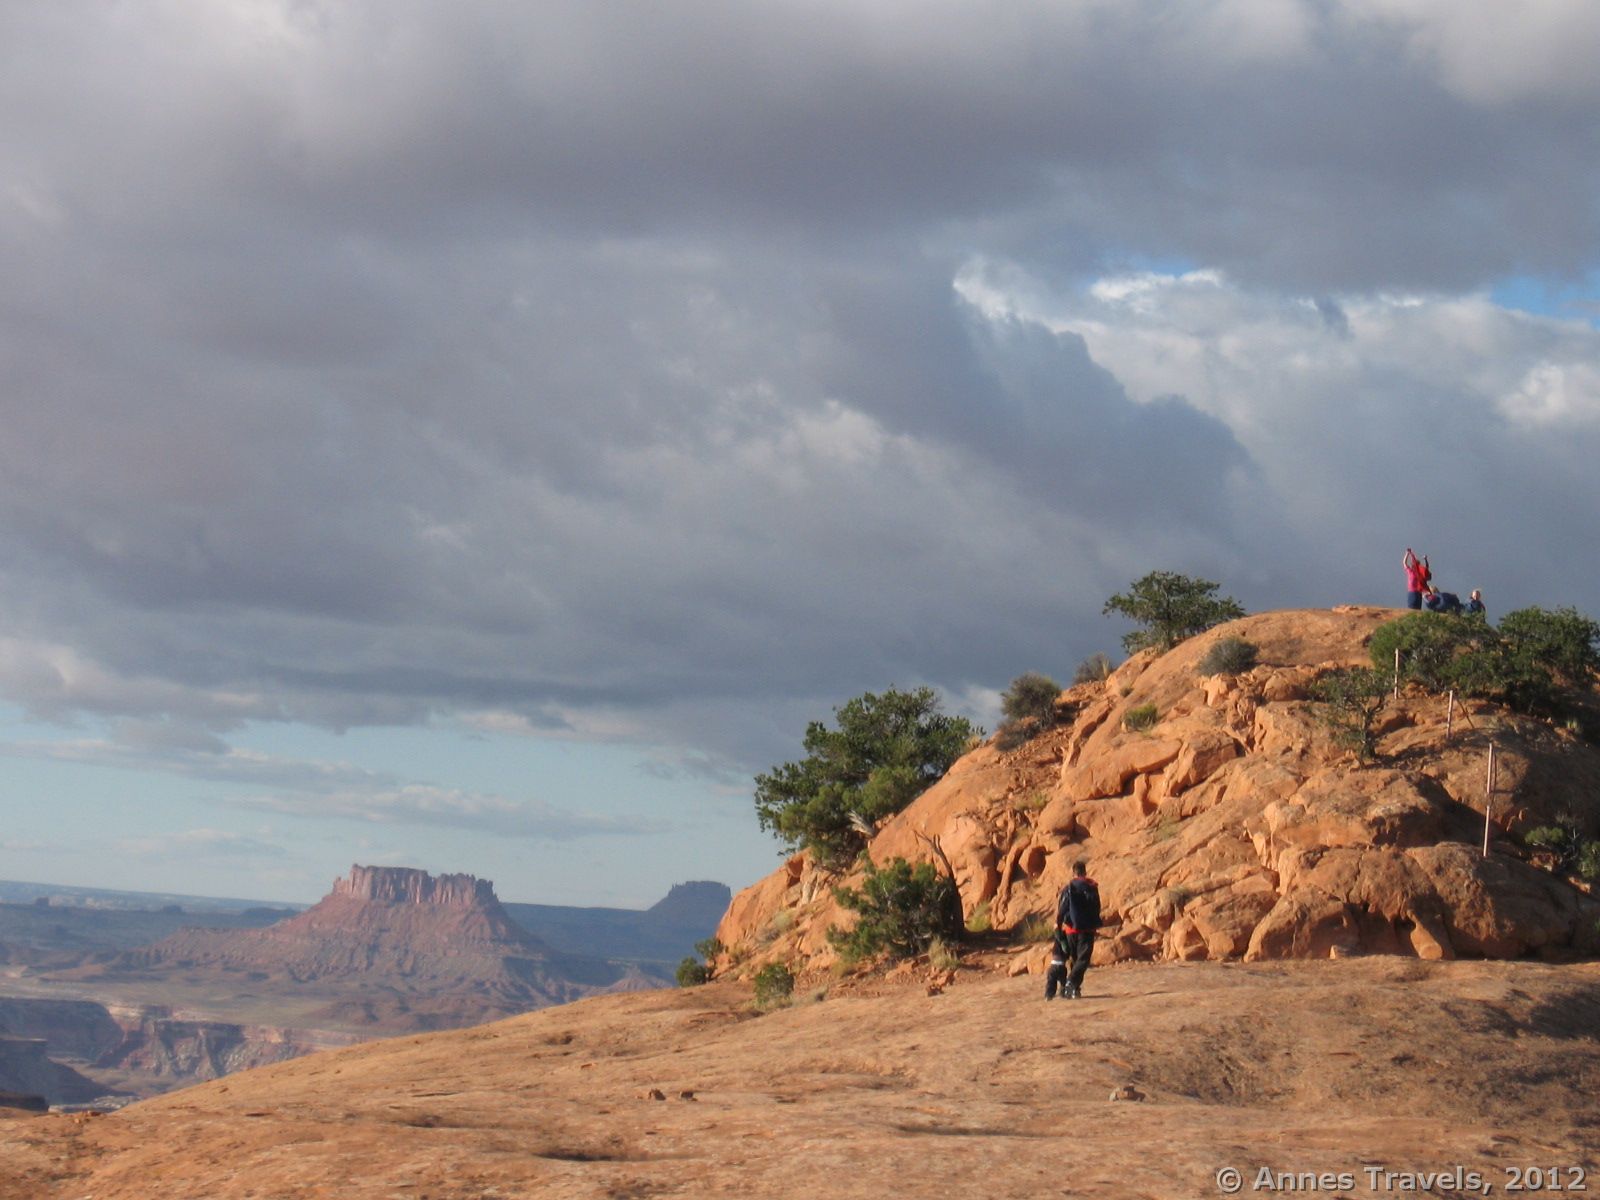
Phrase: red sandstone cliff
{"type": "Point", "coordinates": [1235, 827]}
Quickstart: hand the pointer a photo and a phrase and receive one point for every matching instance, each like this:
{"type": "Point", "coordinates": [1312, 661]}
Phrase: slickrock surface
{"type": "Point", "coordinates": [1235, 827]}
{"type": "Point", "coordinates": [982, 1090]}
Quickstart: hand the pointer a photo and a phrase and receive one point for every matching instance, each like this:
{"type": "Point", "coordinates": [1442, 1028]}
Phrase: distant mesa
{"type": "Point", "coordinates": [393, 950]}
{"type": "Point", "coordinates": [388, 950]}
{"type": "Point", "coordinates": [693, 902]}
{"type": "Point", "coordinates": [408, 885]}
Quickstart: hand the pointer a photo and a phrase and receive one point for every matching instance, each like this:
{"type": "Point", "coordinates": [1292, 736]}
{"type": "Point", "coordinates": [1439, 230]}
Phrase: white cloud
{"type": "Point", "coordinates": [310, 788]}
{"type": "Point", "coordinates": [423, 804]}
{"type": "Point", "coordinates": [1497, 54]}
{"type": "Point", "coordinates": [1362, 414]}
{"type": "Point", "coordinates": [207, 843]}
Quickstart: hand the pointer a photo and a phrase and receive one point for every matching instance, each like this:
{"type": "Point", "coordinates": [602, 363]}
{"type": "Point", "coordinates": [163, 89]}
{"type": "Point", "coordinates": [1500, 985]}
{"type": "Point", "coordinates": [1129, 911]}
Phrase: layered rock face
{"type": "Point", "coordinates": [407, 885]}
{"type": "Point", "coordinates": [1235, 827]}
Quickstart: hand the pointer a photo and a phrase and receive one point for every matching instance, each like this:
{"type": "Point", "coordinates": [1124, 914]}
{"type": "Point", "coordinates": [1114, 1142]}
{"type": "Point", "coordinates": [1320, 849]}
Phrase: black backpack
{"type": "Point", "coordinates": [1083, 905]}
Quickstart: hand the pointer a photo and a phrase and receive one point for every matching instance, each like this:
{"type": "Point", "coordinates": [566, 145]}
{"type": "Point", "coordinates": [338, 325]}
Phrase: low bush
{"type": "Point", "coordinates": [1525, 663]}
{"type": "Point", "coordinates": [900, 910]}
{"type": "Point", "coordinates": [710, 948]}
{"type": "Point", "coordinates": [1094, 669]}
{"type": "Point", "coordinates": [1564, 641]}
{"type": "Point", "coordinates": [1141, 718]}
{"type": "Point", "coordinates": [1352, 698]}
{"type": "Point", "coordinates": [1575, 853]}
{"type": "Point", "coordinates": [1029, 708]}
{"type": "Point", "coordinates": [1430, 646]}
{"type": "Point", "coordinates": [942, 956]}
{"type": "Point", "coordinates": [774, 985]}
{"type": "Point", "coordinates": [1040, 927]}
{"type": "Point", "coordinates": [1230, 656]}
{"type": "Point", "coordinates": [691, 971]}
{"type": "Point", "coordinates": [1031, 696]}
{"type": "Point", "coordinates": [980, 921]}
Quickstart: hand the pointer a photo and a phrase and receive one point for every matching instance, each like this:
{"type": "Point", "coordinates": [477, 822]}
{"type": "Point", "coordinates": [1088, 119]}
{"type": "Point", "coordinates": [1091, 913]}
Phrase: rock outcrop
{"type": "Point", "coordinates": [153, 1042]}
{"type": "Point", "coordinates": [1235, 826]}
{"type": "Point", "coordinates": [27, 1070]}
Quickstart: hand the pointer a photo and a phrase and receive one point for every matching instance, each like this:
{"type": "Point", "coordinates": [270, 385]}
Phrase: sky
{"type": "Point", "coordinates": [480, 436]}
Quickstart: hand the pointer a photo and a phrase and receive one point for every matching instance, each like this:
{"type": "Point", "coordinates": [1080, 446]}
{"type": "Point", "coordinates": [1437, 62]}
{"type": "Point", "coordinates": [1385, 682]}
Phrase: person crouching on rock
{"type": "Point", "coordinates": [1444, 602]}
{"type": "Point", "coordinates": [1077, 919]}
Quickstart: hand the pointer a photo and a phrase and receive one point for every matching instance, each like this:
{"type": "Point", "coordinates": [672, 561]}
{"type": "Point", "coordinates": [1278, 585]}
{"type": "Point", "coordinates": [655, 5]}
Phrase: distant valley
{"type": "Point", "coordinates": [101, 998]}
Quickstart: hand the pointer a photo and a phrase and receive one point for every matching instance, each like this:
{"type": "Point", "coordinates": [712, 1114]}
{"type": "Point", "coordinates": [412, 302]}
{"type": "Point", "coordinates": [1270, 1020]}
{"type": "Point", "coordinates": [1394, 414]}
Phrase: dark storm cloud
{"type": "Point", "coordinates": [600, 369]}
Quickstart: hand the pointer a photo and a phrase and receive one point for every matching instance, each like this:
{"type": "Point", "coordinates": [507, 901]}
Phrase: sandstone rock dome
{"type": "Point", "coordinates": [1236, 827]}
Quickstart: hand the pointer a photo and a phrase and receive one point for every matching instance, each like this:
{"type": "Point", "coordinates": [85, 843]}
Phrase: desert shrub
{"type": "Point", "coordinates": [780, 923]}
{"type": "Point", "coordinates": [980, 921]}
{"type": "Point", "coordinates": [886, 751]}
{"type": "Point", "coordinates": [900, 910]}
{"type": "Point", "coordinates": [1040, 927]}
{"type": "Point", "coordinates": [1564, 641]}
{"type": "Point", "coordinates": [1351, 700]}
{"type": "Point", "coordinates": [691, 971]}
{"type": "Point", "coordinates": [1031, 696]}
{"type": "Point", "coordinates": [774, 985]}
{"type": "Point", "coordinates": [1230, 656]}
{"type": "Point", "coordinates": [710, 948]}
{"type": "Point", "coordinates": [1431, 645]}
{"type": "Point", "coordinates": [1094, 669]}
{"type": "Point", "coordinates": [1524, 663]}
{"type": "Point", "coordinates": [1140, 718]}
{"type": "Point", "coordinates": [1575, 853]}
{"type": "Point", "coordinates": [942, 956]}
{"type": "Point", "coordinates": [1170, 607]}
{"type": "Point", "coordinates": [1029, 706]}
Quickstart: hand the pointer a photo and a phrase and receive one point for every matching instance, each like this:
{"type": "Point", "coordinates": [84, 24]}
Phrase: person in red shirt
{"type": "Point", "coordinates": [1418, 573]}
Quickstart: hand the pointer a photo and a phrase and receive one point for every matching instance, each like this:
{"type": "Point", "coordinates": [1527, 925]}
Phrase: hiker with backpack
{"type": "Point", "coordinates": [1077, 920]}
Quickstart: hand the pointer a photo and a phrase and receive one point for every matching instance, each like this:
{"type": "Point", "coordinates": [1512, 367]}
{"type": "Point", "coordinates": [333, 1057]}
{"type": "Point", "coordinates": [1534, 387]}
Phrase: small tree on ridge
{"type": "Point", "coordinates": [1169, 608]}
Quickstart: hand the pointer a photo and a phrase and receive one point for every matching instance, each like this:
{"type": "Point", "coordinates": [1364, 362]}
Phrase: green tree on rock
{"type": "Point", "coordinates": [901, 910]}
{"type": "Point", "coordinates": [1169, 608]}
{"type": "Point", "coordinates": [886, 751]}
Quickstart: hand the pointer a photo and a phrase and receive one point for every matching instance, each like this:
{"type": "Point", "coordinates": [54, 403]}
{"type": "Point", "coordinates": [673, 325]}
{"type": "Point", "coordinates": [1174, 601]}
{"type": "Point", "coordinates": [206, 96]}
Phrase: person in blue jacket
{"type": "Point", "coordinates": [1445, 602]}
{"type": "Point", "coordinates": [1077, 921]}
{"type": "Point", "coordinates": [1475, 604]}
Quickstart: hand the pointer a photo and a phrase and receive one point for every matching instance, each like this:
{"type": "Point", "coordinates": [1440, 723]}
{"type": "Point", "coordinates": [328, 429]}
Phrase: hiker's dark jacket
{"type": "Point", "coordinates": [1079, 906]}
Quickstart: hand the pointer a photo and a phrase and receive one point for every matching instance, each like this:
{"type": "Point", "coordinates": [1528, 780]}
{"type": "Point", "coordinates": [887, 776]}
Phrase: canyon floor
{"type": "Point", "coordinates": [881, 1088]}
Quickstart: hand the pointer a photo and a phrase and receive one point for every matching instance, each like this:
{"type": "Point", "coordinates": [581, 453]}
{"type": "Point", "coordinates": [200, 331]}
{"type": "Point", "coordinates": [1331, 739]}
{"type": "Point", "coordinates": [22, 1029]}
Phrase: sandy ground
{"type": "Point", "coordinates": [1353, 1067]}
